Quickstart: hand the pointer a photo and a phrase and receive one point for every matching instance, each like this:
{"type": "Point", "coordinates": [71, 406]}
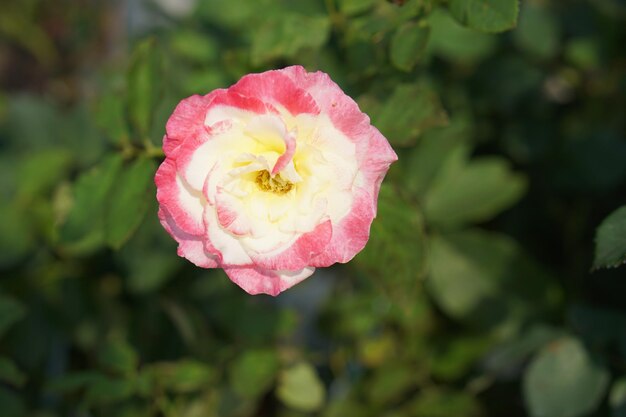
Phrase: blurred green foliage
{"type": "Point", "coordinates": [474, 296]}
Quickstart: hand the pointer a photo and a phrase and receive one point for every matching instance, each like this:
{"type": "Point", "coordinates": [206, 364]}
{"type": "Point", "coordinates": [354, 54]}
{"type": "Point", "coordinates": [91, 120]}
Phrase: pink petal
{"type": "Point", "coordinates": [287, 156]}
{"type": "Point", "coordinates": [276, 88]}
{"type": "Point", "coordinates": [233, 98]}
{"type": "Point", "coordinates": [256, 280]}
{"type": "Point", "coordinates": [300, 253]}
{"type": "Point", "coordinates": [186, 121]}
{"type": "Point", "coordinates": [351, 234]}
{"type": "Point", "coordinates": [183, 204]}
{"type": "Point", "coordinates": [230, 214]}
{"type": "Point", "coordinates": [189, 246]}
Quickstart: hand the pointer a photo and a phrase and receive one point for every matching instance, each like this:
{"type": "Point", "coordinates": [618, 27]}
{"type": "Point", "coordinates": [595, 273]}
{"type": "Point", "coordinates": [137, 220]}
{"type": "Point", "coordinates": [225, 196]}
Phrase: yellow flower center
{"type": "Point", "coordinates": [276, 184]}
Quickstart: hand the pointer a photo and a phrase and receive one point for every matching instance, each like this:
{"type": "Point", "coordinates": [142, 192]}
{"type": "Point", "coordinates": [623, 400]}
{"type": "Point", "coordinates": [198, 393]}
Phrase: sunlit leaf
{"type": "Point", "coordinates": [299, 387]}
{"type": "Point", "coordinates": [253, 372]}
{"type": "Point", "coordinates": [186, 375]}
{"type": "Point", "coordinates": [611, 240]}
{"type": "Point", "coordinates": [617, 398]}
{"type": "Point", "coordinates": [390, 382]}
{"type": "Point", "coordinates": [563, 380]}
{"type": "Point", "coordinates": [476, 192]}
{"type": "Point", "coordinates": [486, 279]}
{"type": "Point", "coordinates": [444, 403]}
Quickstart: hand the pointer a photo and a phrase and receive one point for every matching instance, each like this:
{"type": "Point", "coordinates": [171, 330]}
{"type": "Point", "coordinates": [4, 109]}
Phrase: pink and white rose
{"type": "Point", "coordinates": [271, 178]}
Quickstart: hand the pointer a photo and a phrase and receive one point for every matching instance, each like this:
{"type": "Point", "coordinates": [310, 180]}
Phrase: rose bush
{"type": "Point", "coordinates": [271, 178]}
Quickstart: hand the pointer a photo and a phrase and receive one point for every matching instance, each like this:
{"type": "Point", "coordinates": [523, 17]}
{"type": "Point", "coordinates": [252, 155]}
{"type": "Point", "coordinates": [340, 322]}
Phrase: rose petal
{"type": "Point", "coordinates": [256, 280]}
{"type": "Point", "coordinates": [189, 246]}
{"type": "Point", "coordinates": [351, 233]}
{"type": "Point", "coordinates": [183, 203]}
{"type": "Point", "coordinates": [277, 88]}
{"type": "Point", "coordinates": [187, 120]}
{"type": "Point", "coordinates": [299, 254]}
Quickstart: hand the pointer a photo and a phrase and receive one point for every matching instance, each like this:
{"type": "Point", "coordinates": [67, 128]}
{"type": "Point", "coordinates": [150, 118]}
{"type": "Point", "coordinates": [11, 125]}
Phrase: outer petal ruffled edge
{"type": "Point", "coordinates": [187, 120]}
{"type": "Point", "coordinates": [255, 280]}
{"type": "Point", "coordinates": [189, 246]}
{"type": "Point", "coordinates": [351, 233]}
{"type": "Point", "coordinates": [171, 195]}
{"type": "Point", "coordinates": [276, 87]}
{"type": "Point", "coordinates": [300, 253]}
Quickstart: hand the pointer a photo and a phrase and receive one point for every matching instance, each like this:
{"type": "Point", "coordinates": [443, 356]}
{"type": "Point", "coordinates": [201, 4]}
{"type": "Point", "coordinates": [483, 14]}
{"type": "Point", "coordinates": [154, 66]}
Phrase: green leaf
{"type": "Point", "coordinates": [148, 271]}
{"type": "Point", "coordinates": [103, 390]}
{"type": "Point", "coordinates": [611, 240]}
{"type": "Point", "coordinates": [564, 381]}
{"type": "Point", "coordinates": [583, 52]}
{"type": "Point", "coordinates": [126, 208]}
{"type": "Point", "coordinates": [11, 405]}
{"type": "Point", "coordinates": [394, 254]}
{"type": "Point", "coordinates": [598, 327]}
{"type": "Point", "coordinates": [11, 311]}
{"type": "Point", "coordinates": [456, 43]}
{"type": "Point", "coordinates": [287, 34]}
{"type": "Point", "coordinates": [353, 7]}
{"type": "Point", "coordinates": [617, 398]}
{"type": "Point", "coordinates": [72, 382]}
{"type": "Point", "coordinates": [145, 85]}
{"type": "Point", "coordinates": [411, 110]}
{"type": "Point", "coordinates": [476, 192]}
{"type": "Point", "coordinates": [83, 230]}
{"type": "Point", "coordinates": [16, 238]}
{"type": "Point", "coordinates": [538, 31]}
{"type": "Point", "coordinates": [486, 15]}
{"type": "Point", "coordinates": [444, 403]}
{"type": "Point", "coordinates": [119, 357]}
{"type": "Point", "coordinates": [252, 374]}
{"type": "Point", "coordinates": [485, 279]}
{"type": "Point", "coordinates": [39, 172]}
{"type": "Point", "coordinates": [390, 382]}
{"type": "Point", "coordinates": [509, 356]}
{"type": "Point", "coordinates": [437, 149]}
{"type": "Point", "coordinates": [195, 46]}
{"type": "Point", "coordinates": [183, 376]}
{"type": "Point", "coordinates": [10, 373]}
{"type": "Point", "coordinates": [454, 357]}
{"type": "Point", "coordinates": [110, 117]}
{"type": "Point", "coordinates": [409, 44]}
{"type": "Point", "coordinates": [300, 388]}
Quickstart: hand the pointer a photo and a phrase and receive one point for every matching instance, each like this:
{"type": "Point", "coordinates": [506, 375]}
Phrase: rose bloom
{"type": "Point", "coordinates": [271, 178]}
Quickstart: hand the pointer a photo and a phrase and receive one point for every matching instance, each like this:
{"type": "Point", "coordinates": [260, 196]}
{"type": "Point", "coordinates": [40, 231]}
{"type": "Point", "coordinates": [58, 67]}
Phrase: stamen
{"type": "Point", "coordinates": [276, 184]}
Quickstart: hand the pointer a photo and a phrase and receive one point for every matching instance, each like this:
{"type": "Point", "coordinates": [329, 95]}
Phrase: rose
{"type": "Point", "coordinates": [271, 178]}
